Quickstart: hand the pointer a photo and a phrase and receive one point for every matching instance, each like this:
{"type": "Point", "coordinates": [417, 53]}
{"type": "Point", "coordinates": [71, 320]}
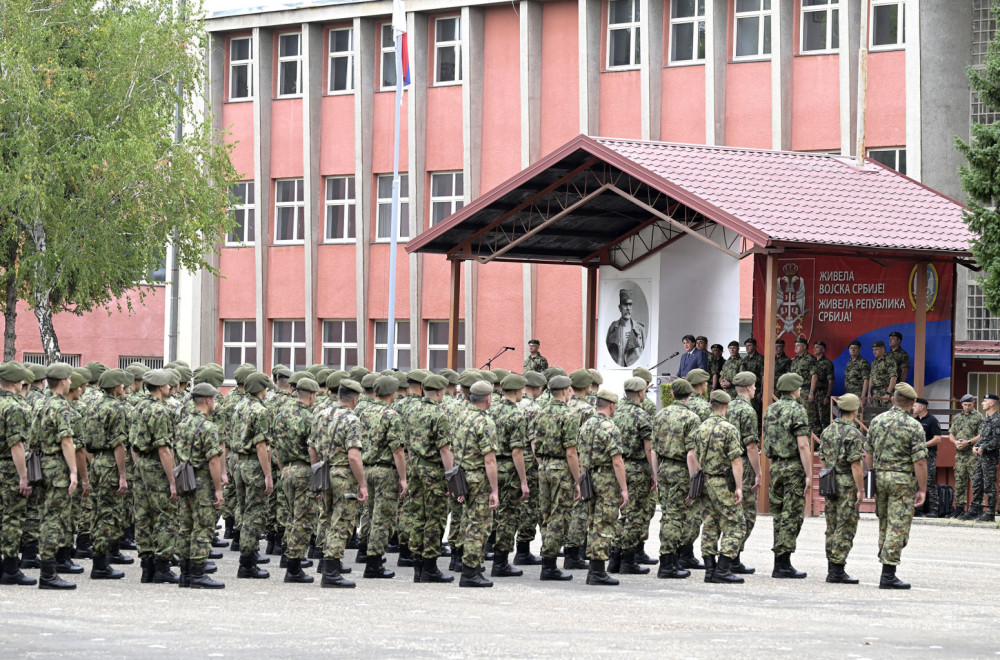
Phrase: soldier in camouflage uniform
{"type": "Point", "coordinates": [786, 444]}
{"type": "Point", "coordinates": [988, 451]}
{"type": "Point", "coordinates": [576, 536]}
{"type": "Point", "coordinates": [230, 424]}
{"type": "Point", "coordinates": [782, 363]}
{"type": "Point", "coordinates": [803, 363]}
{"type": "Point", "coordinates": [840, 449]}
{"type": "Point", "coordinates": [35, 398]}
{"type": "Point", "coordinates": [601, 457]}
{"type": "Point", "coordinates": [896, 443]}
{"type": "Point", "coordinates": [277, 399]}
{"type": "Point", "coordinates": [252, 445]}
{"type": "Point", "coordinates": [857, 372]}
{"type": "Point", "coordinates": [742, 415]}
{"type": "Point", "coordinates": [527, 526]}
{"type": "Point", "coordinates": [715, 361]}
{"type": "Point", "coordinates": [512, 480]}
{"type": "Point", "coordinates": [83, 507]}
{"type": "Point", "coordinates": [820, 386]}
{"type": "Point", "coordinates": [719, 450]}
{"type": "Point", "coordinates": [884, 375]}
{"type": "Point", "coordinates": [647, 404]}
{"type": "Point", "coordinates": [636, 432]}
{"type": "Point", "coordinates": [14, 487]}
{"type": "Point", "coordinates": [535, 360]}
{"type": "Point", "coordinates": [753, 362]}
{"type": "Point", "coordinates": [964, 434]}
{"type": "Point", "coordinates": [730, 368]}
{"type": "Point", "coordinates": [198, 445]}
{"type": "Point", "coordinates": [674, 448]}
{"type": "Point", "coordinates": [404, 405]}
{"type": "Point", "coordinates": [698, 403]}
{"type": "Point", "coordinates": [899, 356]}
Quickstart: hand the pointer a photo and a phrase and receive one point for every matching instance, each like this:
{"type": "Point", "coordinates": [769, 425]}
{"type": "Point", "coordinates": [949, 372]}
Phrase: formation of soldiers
{"type": "Point", "coordinates": [320, 461]}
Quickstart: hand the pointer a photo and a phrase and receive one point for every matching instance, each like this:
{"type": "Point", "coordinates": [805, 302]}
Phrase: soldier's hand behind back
{"type": "Point", "coordinates": [919, 499]}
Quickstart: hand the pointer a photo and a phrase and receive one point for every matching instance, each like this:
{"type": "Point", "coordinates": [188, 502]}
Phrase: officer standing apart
{"type": "Point", "coordinates": [988, 451]}
{"type": "Point", "coordinates": [896, 441]}
{"type": "Point", "coordinates": [964, 434]}
{"type": "Point", "coordinates": [933, 435]}
{"type": "Point", "coordinates": [840, 449]}
{"type": "Point", "coordinates": [535, 360]}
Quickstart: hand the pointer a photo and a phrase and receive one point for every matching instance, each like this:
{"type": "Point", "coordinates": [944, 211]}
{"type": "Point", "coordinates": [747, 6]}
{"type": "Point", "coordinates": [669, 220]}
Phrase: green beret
{"type": "Point", "coordinates": [307, 384]}
{"type": "Point", "coordinates": [137, 369]}
{"type": "Point", "coordinates": [204, 390]}
{"type": "Point", "coordinates": [256, 382]}
{"type": "Point", "coordinates": [211, 375]}
{"type": "Point", "coordinates": [608, 395]}
{"type": "Point", "coordinates": [481, 388]}
{"type": "Point", "coordinates": [58, 370]}
{"type": "Point", "coordinates": [111, 378]}
{"type": "Point", "coordinates": [469, 378]}
{"type": "Point", "coordinates": [127, 378]}
{"type": "Point", "coordinates": [848, 402]}
{"type": "Point", "coordinates": [12, 372]}
{"type": "Point", "coordinates": [500, 374]}
{"type": "Point", "coordinates": [37, 372]}
{"type": "Point", "coordinates": [720, 396]}
{"type": "Point", "coordinates": [878, 343]}
{"type": "Point", "coordinates": [697, 376]}
{"type": "Point", "coordinates": [451, 375]}
{"type": "Point", "coordinates": [385, 385]}
{"type": "Point", "coordinates": [745, 379]}
{"type": "Point", "coordinates": [789, 382]}
{"type": "Point", "coordinates": [596, 377]}
{"type": "Point", "coordinates": [387, 372]}
{"type": "Point", "coordinates": [296, 377]}
{"type": "Point", "coordinates": [801, 340]}
{"type": "Point", "coordinates": [896, 334]}
{"type": "Point", "coordinates": [357, 373]}
{"type": "Point", "coordinates": [352, 385]}
{"type": "Point", "coordinates": [85, 372]}
{"type": "Point", "coordinates": [242, 372]}
{"type": "Point", "coordinates": [368, 381]}
{"type": "Point", "coordinates": [635, 384]}
{"type": "Point", "coordinates": [157, 377]}
{"type": "Point", "coordinates": [560, 382]}
{"type": "Point", "coordinates": [400, 380]}
{"type": "Point", "coordinates": [184, 372]}
{"type": "Point", "coordinates": [737, 344]}
{"type": "Point", "coordinates": [175, 377]}
{"type": "Point", "coordinates": [76, 379]}
{"type": "Point", "coordinates": [643, 373]}
{"type": "Point", "coordinates": [534, 379]}
{"type": "Point", "coordinates": [581, 379]}
{"type": "Point", "coordinates": [333, 380]}
{"type": "Point", "coordinates": [314, 369]}
{"type": "Point", "coordinates": [417, 375]}
{"type": "Point", "coordinates": [321, 376]}
{"type": "Point", "coordinates": [276, 368]}
{"type": "Point", "coordinates": [906, 390]}
{"type": "Point", "coordinates": [95, 369]}
{"type": "Point", "coordinates": [435, 382]}
{"type": "Point", "coordinates": [681, 388]}
{"type": "Point", "coordinates": [284, 372]}
{"type": "Point", "coordinates": [552, 372]}
{"type": "Point", "coordinates": [182, 363]}
{"type": "Point", "coordinates": [489, 377]}
{"type": "Point", "coordinates": [477, 372]}
{"type": "Point", "coordinates": [513, 382]}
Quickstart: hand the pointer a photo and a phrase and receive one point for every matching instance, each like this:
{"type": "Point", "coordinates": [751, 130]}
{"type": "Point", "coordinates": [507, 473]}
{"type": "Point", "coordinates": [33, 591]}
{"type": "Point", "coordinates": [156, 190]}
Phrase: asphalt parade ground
{"type": "Point", "coordinates": [951, 611]}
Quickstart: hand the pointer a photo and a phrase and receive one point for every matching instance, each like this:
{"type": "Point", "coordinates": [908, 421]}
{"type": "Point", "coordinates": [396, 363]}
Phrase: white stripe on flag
{"type": "Point", "coordinates": [398, 17]}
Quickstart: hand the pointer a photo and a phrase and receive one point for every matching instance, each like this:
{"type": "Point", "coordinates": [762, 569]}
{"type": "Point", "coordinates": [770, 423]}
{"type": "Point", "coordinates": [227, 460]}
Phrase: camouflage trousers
{"type": "Point", "coordinates": [456, 511]}
{"type": "Point", "coordinates": [576, 534]}
{"type": "Point", "coordinates": [634, 525]}
{"type": "Point", "coordinates": [155, 514]}
{"type": "Point", "coordinates": [722, 533]}
{"type": "Point", "coordinates": [108, 522]}
{"type": "Point", "coordinates": [13, 509]}
{"type": "Point", "coordinates": [33, 516]}
{"type": "Point", "coordinates": [527, 525]}
{"type": "Point", "coordinates": [430, 509]}
{"type": "Point", "coordinates": [230, 500]}
{"type": "Point", "coordinates": [196, 519]}
{"type": "Point", "coordinates": [819, 414]}
{"type": "Point", "coordinates": [254, 505]}
{"type": "Point", "coordinates": [749, 502]}
{"type": "Point", "coordinates": [302, 509]}
{"type": "Point", "coordinates": [932, 505]}
{"type": "Point", "coordinates": [83, 512]}
{"type": "Point", "coordinates": [477, 518]}
{"type": "Point", "coordinates": [556, 492]}
{"type": "Point", "coordinates": [337, 510]}
{"type": "Point", "coordinates": [894, 508]}
{"type": "Point", "coordinates": [673, 481]}
{"type": "Point", "coordinates": [404, 518]}
{"type": "Point", "coordinates": [602, 513]}
{"type": "Point", "coordinates": [128, 499]}
{"type": "Point", "coordinates": [380, 511]}
{"type": "Point", "coordinates": [787, 498]}
{"type": "Point", "coordinates": [984, 480]}
{"type": "Point", "coordinates": [508, 514]}
{"type": "Point", "coordinates": [965, 468]}
{"type": "Point", "coordinates": [346, 523]}
{"type": "Point", "coordinates": [57, 513]}
{"type": "Point", "coordinates": [274, 507]}
{"type": "Point", "coordinates": [841, 520]}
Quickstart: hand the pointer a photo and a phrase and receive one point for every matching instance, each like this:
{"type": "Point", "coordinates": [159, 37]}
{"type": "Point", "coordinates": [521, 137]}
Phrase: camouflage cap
{"type": "Point", "coordinates": [560, 382]}
{"type": "Point", "coordinates": [681, 388]}
{"type": "Point", "coordinates": [12, 372]}
{"type": "Point", "coordinates": [745, 379]}
{"type": "Point", "coordinates": [534, 379]}
{"type": "Point", "coordinates": [435, 382]}
{"type": "Point", "coordinates": [385, 385]}
{"type": "Point", "coordinates": [635, 384]}
{"type": "Point", "coordinates": [595, 377]}
{"type": "Point", "coordinates": [789, 382]}
{"type": "Point", "coordinates": [552, 372]}
{"type": "Point", "coordinates": [58, 370]}
{"type": "Point", "coordinates": [643, 373]}
{"type": "Point", "coordinates": [204, 390]}
{"type": "Point", "coordinates": [417, 375]}
{"type": "Point", "coordinates": [368, 381]}
{"type": "Point", "coordinates": [37, 372]}
{"type": "Point", "coordinates": [481, 388]}
{"type": "Point", "coordinates": [83, 371]}
{"type": "Point", "coordinates": [608, 396]}
{"type": "Point", "coordinates": [906, 390]}
{"type": "Point", "coordinates": [848, 402]}
{"type": "Point", "coordinates": [720, 396]}
{"type": "Point", "coordinates": [334, 380]}
{"type": "Point", "coordinates": [96, 369]}
{"type": "Point", "coordinates": [501, 374]}
{"type": "Point", "coordinates": [256, 382]}
{"type": "Point", "coordinates": [581, 379]}
{"type": "Point", "coordinates": [77, 379]}
{"type": "Point", "coordinates": [307, 384]}
{"type": "Point", "coordinates": [112, 378]}
{"type": "Point", "coordinates": [294, 379]}
{"type": "Point", "coordinates": [451, 375]}
{"type": "Point", "coordinates": [697, 376]}
{"type": "Point", "coordinates": [357, 373]}
{"type": "Point", "coordinates": [157, 377]}
{"type": "Point", "coordinates": [513, 382]}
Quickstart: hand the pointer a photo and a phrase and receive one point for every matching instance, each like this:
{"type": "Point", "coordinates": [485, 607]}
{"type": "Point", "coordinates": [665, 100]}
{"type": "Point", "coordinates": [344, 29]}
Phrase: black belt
{"type": "Point", "coordinates": [672, 460]}
{"type": "Point", "coordinates": [554, 458]}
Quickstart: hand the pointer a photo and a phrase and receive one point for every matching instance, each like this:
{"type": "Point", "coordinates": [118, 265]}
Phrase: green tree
{"type": "Point", "coordinates": [90, 175]}
{"type": "Point", "coordinates": [981, 177]}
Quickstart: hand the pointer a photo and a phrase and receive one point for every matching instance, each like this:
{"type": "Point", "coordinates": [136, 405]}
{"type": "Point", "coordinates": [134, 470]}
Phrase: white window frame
{"type": "Point", "coordinates": [900, 25]}
{"type": "Point", "coordinates": [242, 345]}
{"type": "Point", "coordinates": [383, 209]}
{"type": "Point", "coordinates": [349, 206]}
{"type": "Point", "coordinates": [765, 21]}
{"type": "Point", "coordinates": [341, 346]}
{"type": "Point", "coordinates": [697, 21]}
{"type": "Point", "coordinates": [455, 45]}
{"type": "Point", "coordinates": [148, 362]}
{"type": "Point", "coordinates": [249, 211]}
{"type": "Point", "coordinates": [633, 28]}
{"type": "Point", "coordinates": [298, 204]}
{"type": "Point", "coordinates": [452, 202]}
{"type": "Point", "coordinates": [297, 59]}
{"type": "Point", "coordinates": [387, 52]}
{"type": "Point", "coordinates": [989, 380]}
{"type": "Point", "coordinates": [977, 314]}
{"type": "Point", "coordinates": [72, 359]}
{"type": "Point", "coordinates": [831, 7]}
{"type": "Point", "coordinates": [382, 348]}
{"type": "Point", "coordinates": [432, 349]}
{"type": "Point", "coordinates": [341, 55]}
{"type": "Point", "coordinates": [896, 151]}
{"type": "Point", "coordinates": [292, 346]}
{"type": "Point", "coordinates": [248, 63]}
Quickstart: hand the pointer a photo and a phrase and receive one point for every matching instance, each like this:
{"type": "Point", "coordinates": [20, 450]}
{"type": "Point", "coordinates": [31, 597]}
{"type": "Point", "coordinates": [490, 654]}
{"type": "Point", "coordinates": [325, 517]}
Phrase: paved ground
{"type": "Point", "coordinates": [951, 612]}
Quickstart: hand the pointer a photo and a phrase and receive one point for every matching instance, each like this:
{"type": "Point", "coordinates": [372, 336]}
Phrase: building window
{"type": "Point", "coordinates": [240, 68]}
{"type": "Point", "coordinates": [239, 345]}
{"type": "Point", "coordinates": [623, 34]}
{"type": "Point", "coordinates": [341, 60]}
{"type": "Point", "coordinates": [40, 358]}
{"type": "Point", "coordinates": [983, 383]}
{"type": "Point", "coordinates": [148, 362]}
{"type": "Point", "coordinates": [894, 158]}
{"type": "Point", "coordinates": [290, 64]}
{"type": "Point", "coordinates": [340, 344]}
{"type": "Point", "coordinates": [288, 344]}
{"type": "Point", "coordinates": [447, 195]}
{"type": "Point", "coordinates": [687, 31]}
{"type": "Point", "coordinates": [437, 345]}
{"type": "Point", "coordinates": [401, 347]}
{"type": "Point", "coordinates": [244, 227]}
{"type": "Point", "coordinates": [447, 50]}
{"type": "Point", "coordinates": [341, 223]}
{"type": "Point", "coordinates": [383, 230]}
{"type": "Point", "coordinates": [288, 210]}
{"type": "Point", "coordinates": [980, 324]}
{"type": "Point", "coordinates": [388, 48]}
{"type": "Point", "coordinates": [820, 26]}
{"type": "Point", "coordinates": [753, 28]}
{"type": "Point", "coordinates": [888, 22]}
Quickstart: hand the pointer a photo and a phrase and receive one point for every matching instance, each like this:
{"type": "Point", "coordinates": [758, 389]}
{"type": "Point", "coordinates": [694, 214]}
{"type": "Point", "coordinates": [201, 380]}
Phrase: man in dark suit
{"type": "Point", "coordinates": [692, 357]}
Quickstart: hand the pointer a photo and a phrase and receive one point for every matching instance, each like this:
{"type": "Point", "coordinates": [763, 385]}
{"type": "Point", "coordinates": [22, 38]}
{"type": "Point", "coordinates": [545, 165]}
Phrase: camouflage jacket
{"type": "Point", "coordinates": [512, 427]}
{"type": "Point", "coordinates": [967, 426]}
{"type": "Point", "coordinates": [334, 432]}
{"type": "Point", "coordinates": [754, 364]}
{"type": "Point", "coordinates": [530, 410]}
{"type": "Point", "coordinates": [106, 424]}
{"type": "Point", "coordinates": [856, 372]}
{"type": "Point", "coordinates": [714, 365]}
{"type": "Point", "coordinates": [556, 430]}
{"type": "Point", "coordinates": [290, 432]}
{"type": "Point", "coordinates": [537, 363]}
{"type": "Point", "coordinates": [989, 439]}
{"type": "Point", "coordinates": [600, 440]}
{"type": "Point", "coordinates": [257, 426]}
{"type": "Point", "coordinates": [428, 429]}
{"type": "Point", "coordinates": [902, 360]}
{"type": "Point", "coordinates": [672, 428]}
{"type": "Point", "coordinates": [544, 399]}
{"type": "Point", "coordinates": [841, 446]}
{"type": "Point", "coordinates": [803, 365]}
{"type": "Point", "coordinates": [896, 441]}
{"type": "Point", "coordinates": [731, 367]}
{"type": "Point", "coordinates": [784, 422]}
{"type": "Point", "coordinates": [225, 416]}
{"type": "Point", "coordinates": [383, 433]}
{"type": "Point", "coordinates": [648, 405]}
{"type": "Point", "coordinates": [699, 404]}
{"type": "Point", "coordinates": [636, 430]}
{"type": "Point", "coordinates": [280, 400]}
{"type": "Point", "coordinates": [882, 371]}
{"type": "Point", "coordinates": [782, 365]}
{"type": "Point", "coordinates": [717, 444]}
{"type": "Point", "coordinates": [823, 369]}
{"type": "Point", "coordinates": [476, 436]}
{"type": "Point", "coordinates": [154, 427]}
{"type": "Point", "coordinates": [742, 415]}
{"type": "Point", "coordinates": [14, 427]}
{"type": "Point", "coordinates": [402, 405]}
{"type": "Point", "coordinates": [197, 440]}
{"type": "Point", "coordinates": [578, 406]}
{"type": "Point", "coordinates": [364, 402]}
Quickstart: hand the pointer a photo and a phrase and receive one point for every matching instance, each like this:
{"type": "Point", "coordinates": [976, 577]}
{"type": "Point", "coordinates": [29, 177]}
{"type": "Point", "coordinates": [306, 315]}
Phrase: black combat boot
{"type": "Point", "coordinates": [722, 573]}
{"type": "Point", "coordinates": [184, 580]}
{"type": "Point", "coordinates": [230, 527]}
{"type": "Point", "coordinates": [84, 547]}
{"type": "Point", "coordinates": [393, 546]}
{"type": "Point", "coordinates": [783, 567]}
{"type": "Point", "coordinates": [455, 565]}
{"type": "Point", "coordinates": [201, 581]}
{"type": "Point", "coordinates": [64, 564]}
{"type": "Point", "coordinates": [235, 545]}
{"type": "Point", "coordinates": [319, 562]}
{"type": "Point", "coordinates": [115, 555]}
{"type": "Point", "coordinates": [12, 573]}
{"type": "Point", "coordinates": [986, 516]}
{"type": "Point", "coordinates": [127, 542]}
{"type": "Point", "coordinates": [362, 556]}
{"type": "Point", "coordinates": [709, 567]}
{"type": "Point", "coordinates": [214, 554]}
{"type": "Point", "coordinates": [405, 557]}
{"type": "Point", "coordinates": [615, 561]}
{"type": "Point", "coordinates": [332, 576]}
{"type": "Point", "coordinates": [738, 568]}
{"type": "Point", "coordinates": [102, 571]}
{"type": "Point", "coordinates": [279, 542]}
{"type": "Point", "coordinates": [501, 566]}
{"type": "Point", "coordinates": [523, 557]}
{"type": "Point", "coordinates": [353, 542]}
{"type": "Point", "coordinates": [686, 558]}
{"type": "Point", "coordinates": [261, 559]}
{"type": "Point", "coordinates": [973, 512]}
{"type": "Point", "coordinates": [550, 572]}
{"type": "Point", "coordinates": [418, 568]}
{"type": "Point", "coordinates": [445, 550]}
{"type": "Point", "coordinates": [431, 573]}
{"type": "Point", "coordinates": [375, 569]}
{"type": "Point", "coordinates": [294, 573]}
{"type": "Point", "coordinates": [217, 542]}
{"type": "Point", "coordinates": [629, 567]}
{"type": "Point", "coordinates": [210, 567]}
{"type": "Point", "coordinates": [597, 575]}
{"type": "Point", "coordinates": [572, 561]}
{"type": "Point", "coordinates": [29, 555]}
{"type": "Point", "coordinates": [269, 546]}
{"type": "Point", "coordinates": [835, 573]}
{"type": "Point", "coordinates": [642, 558]}
{"type": "Point", "coordinates": [162, 573]}
{"type": "Point", "coordinates": [488, 548]}
{"type": "Point", "coordinates": [889, 579]}
{"type": "Point", "coordinates": [669, 570]}
{"type": "Point", "coordinates": [471, 577]}
{"type": "Point", "coordinates": [249, 569]}
{"type": "Point", "coordinates": [147, 570]}
{"type": "Point", "coordinates": [49, 579]}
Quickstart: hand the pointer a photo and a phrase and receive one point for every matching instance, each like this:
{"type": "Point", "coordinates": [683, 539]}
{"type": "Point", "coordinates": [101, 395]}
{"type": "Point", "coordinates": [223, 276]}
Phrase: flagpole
{"type": "Point", "coordinates": [390, 347]}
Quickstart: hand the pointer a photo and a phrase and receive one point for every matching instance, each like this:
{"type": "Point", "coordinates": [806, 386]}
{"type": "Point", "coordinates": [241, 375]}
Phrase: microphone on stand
{"type": "Point", "coordinates": [510, 348]}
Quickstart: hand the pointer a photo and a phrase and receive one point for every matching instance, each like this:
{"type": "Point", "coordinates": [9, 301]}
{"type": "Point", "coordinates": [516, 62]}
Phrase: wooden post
{"type": "Point", "coordinates": [453, 320]}
{"type": "Point", "coordinates": [767, 387]}
{"type": "Point", "coordinates": [920, 336]}
{"type": "Point", "coordinates": [590, 358]}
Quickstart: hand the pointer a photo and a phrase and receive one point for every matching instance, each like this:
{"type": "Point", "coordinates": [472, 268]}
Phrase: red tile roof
{"type": "Point", "coordinates": [984, 349]}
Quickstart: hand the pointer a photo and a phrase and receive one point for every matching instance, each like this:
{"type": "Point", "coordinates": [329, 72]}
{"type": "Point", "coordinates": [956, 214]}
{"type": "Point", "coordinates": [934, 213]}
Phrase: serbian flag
{"type": "Point", "coordinates": [399, 30]}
